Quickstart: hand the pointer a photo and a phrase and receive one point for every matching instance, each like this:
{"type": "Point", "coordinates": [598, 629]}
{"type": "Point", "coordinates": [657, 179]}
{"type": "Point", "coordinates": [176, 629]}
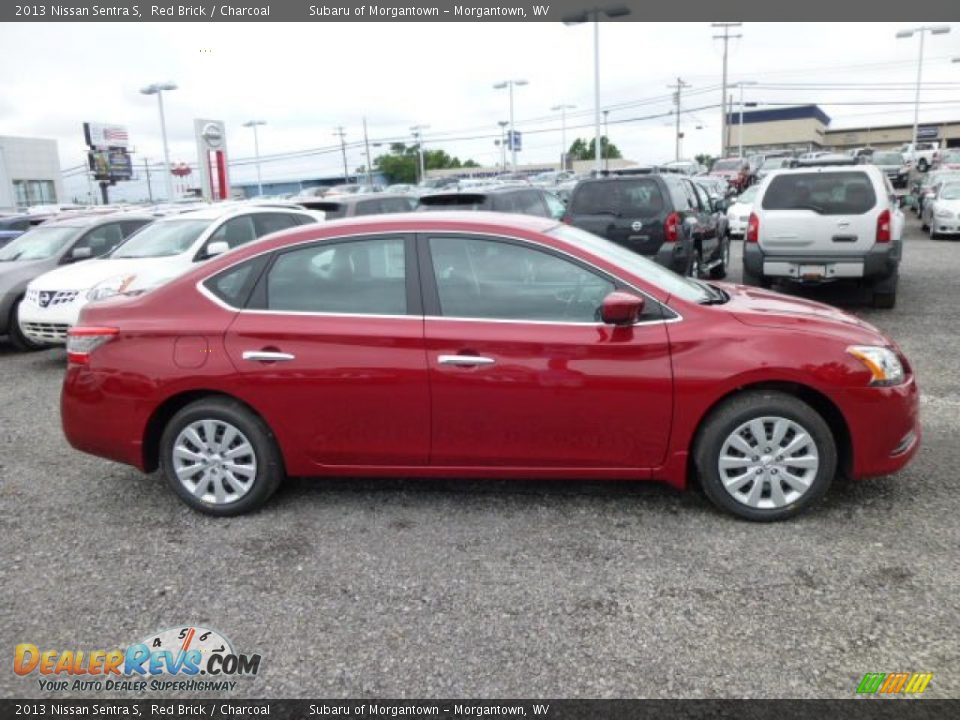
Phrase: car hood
{"type": "Point", "coordinates": [84, 275]}
{"type": "Point", "coordinates": [765, 308]}
{"type": "Point", "coordinates": [951, 205]}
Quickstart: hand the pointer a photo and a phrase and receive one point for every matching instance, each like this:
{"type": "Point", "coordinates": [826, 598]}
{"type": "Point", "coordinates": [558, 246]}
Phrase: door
{"type": "Point", "coordinates": [522, 372]}
{"type": "Point", "coordinates": [706, 229]}
{"type": "Point", "coordinates": [331, 352]}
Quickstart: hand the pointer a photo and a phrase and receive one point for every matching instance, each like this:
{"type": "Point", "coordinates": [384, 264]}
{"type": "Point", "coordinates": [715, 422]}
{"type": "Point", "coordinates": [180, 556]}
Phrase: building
{"type": "Point", "coordinates": [807, 127]}
{"type": "Point", "coordinates": [29, 172]}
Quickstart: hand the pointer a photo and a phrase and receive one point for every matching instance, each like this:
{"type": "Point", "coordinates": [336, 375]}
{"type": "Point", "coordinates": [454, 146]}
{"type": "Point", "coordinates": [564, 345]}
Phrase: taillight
{"type": "Point", "coordinates": [753, 228]}
{"type": "Point", "coordinates": [883, 227]}
{"type": "Point", "coordinates": [567, 219]}
{"type": "Point", "coordinates": [81, 341]}
{"type": "Point", "coordinates": [671, 227]}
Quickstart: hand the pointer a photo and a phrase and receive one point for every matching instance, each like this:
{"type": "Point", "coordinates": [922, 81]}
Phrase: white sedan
{"type": "Point", "coordinates": [738, 214]}
{"type": "Point", "coordinates": [944, 211]}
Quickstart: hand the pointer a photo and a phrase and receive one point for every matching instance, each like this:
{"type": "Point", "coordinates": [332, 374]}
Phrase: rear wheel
{"type": "Point", "coordinates": [885, 292]}
{"type": "Point", "coordinates": [17, 338]}
{"type": "Point", "coordinates": [765, 455]}
{"type": "Point", "coordinates": [755, 280]}
{"type": "Point", "coordinates": [220, 458]}
{"type": "Point", "coordinates": [719, 272]}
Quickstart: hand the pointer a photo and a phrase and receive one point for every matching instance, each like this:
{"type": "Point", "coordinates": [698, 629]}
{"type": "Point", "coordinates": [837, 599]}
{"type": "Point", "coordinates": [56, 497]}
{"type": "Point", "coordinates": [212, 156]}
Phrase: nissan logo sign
{"type": "Point", "coordinates": [212, 133]}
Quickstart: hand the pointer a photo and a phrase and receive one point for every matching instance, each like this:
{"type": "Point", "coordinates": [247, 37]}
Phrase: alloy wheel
{"type": "Point", "coordinates": [214, 461]}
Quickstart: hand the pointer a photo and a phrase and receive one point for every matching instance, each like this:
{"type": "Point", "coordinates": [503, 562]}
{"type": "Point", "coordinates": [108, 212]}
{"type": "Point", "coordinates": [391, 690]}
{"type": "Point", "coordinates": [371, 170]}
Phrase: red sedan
{"type": "Point", "coordinates": [481, 345]}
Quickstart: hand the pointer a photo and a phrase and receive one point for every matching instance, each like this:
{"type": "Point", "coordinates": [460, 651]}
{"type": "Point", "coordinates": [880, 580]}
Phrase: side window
{"type": "Point", "coordinates": [702, 197]}
{"type": "Point", "coordinates": [692, 196]}
{"type": "Point", "coordinates": [357, 277]}
{"type": "Point", "coordinates": [679, 195]}
{"type": "Point", "coordinates": [554, 205]}
{"type": "Point", "coordinates": [496, 280]}
{"type": "Point", "coordinates": [396, 204]}
{"type": "Point", "coordinates": [267, 223]}
{"type": "Point", "coordinates": [529, 203]}
{"type": "Point", "coordinates": [368, 207]}
{"type": "Point", "coordinates": [131, 226]}
{"type": "Point", "coordinates": [102, 239]}
{"type": "Point", "coordinates": [233, 284]}
{"type": "Point", "coordinates": [235, 231]}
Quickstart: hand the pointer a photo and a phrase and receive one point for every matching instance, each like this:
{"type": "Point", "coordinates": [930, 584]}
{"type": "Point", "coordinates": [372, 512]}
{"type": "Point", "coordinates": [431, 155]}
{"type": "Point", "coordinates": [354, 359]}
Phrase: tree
{"type": "Point", "coordinates": [402, 163]}
{"type": "Point", "coordinates": [704, 159]}
{"type": "Point", "coordinates": [580, 149]}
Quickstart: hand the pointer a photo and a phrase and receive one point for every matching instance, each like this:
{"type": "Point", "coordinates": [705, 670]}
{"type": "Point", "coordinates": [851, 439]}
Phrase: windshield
{"type": "Point", "coordinates": [951, 158]}
{"type": "Point", "coordinates": [748, 195]}
{"type": "Point", "coordinates": [638, 265]}
{"type": "Point", "coordinates": [950, 192]}
{"type": "Point", "coordinates": [38, 244]}
{"type": "Point", "coordinates": [887, 159]}
{"type": "Point", "coordinates": [773, 163]}
{"type": "Point", "coordinates": [162, 239]}
{"type": "Point", "coordinates": [727, 165]}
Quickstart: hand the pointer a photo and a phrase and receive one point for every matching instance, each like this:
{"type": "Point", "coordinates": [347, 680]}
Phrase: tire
{"type": "Point", "coordinates": [934, 235]}
{"type": "Point", "coordinates": [20, 341]}
{"type": "Point", "coordinates": [923, 165]}
{"type": "Point", "coordinates": [720, 271]}
{"type": "Point", "coordinates": [885, 291]}
{"type": "Point", "coordinates": [263, 475]}
{"type": "Point", "coordinates": [801, 483]}
{"type": "Point", "coordinates": [755, 280]}
{"type": "Point", "coordinates": [696, 264]}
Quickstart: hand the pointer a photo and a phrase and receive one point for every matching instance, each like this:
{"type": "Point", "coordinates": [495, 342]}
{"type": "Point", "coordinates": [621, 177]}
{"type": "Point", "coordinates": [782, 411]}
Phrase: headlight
{"type": "Point", "coordinates": [110, 286]}
{"type": "Point", "coordinates": [943, 214]}
{"type": "Point", "coordinates": [883, 363]}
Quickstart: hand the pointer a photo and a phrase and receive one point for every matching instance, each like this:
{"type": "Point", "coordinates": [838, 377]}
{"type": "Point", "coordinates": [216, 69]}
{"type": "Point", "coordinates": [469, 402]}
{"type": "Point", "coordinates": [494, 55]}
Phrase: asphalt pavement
{"type": "Point", "coordinates": [404, 588]}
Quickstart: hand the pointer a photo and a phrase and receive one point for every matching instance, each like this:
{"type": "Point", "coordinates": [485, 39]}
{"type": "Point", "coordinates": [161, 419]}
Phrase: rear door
{"type": "Point", "coordinates": [817, 212]}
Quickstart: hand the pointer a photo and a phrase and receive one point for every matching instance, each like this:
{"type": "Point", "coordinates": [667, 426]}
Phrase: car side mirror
{"type": "Point", "coordinates": [719, 205]}
{"type": "Point", "coordinates": [218, 247]}
{"type": "Point", "coordinates": [81, 253]}
{"type": "Point", "coordinates": [621, 308]}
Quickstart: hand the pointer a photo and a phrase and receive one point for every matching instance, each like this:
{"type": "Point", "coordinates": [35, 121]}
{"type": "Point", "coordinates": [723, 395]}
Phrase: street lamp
{"type": "Point", "coordinates": [610, 11]}
{"type": "Point", "coordinates": [503, 144]}
{"type": "Point", "coordinates": [417, 131]}
{"type": "Point", "coordinates": [513, 140]}
{"type": "Point", "coordinates": [256, 149]}
{"type": "Point", "coordinates": [922, 31]}
{"type": "Point", "coordinates": [563, 107]}
{"type": "Point", "coordinates": [740, 126]}
{"type": "Point", "coordinates": [157, 89]}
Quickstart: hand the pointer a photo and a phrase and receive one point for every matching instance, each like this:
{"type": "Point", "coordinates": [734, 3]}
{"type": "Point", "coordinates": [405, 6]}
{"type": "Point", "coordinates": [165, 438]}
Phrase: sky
{"type": "Point", "coordinates": [306, 79]}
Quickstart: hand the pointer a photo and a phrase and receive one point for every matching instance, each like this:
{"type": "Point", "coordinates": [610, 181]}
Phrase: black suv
{"type": "Point", "coordinates": [524, 200]}
{"type": "Point", "coordinates": [665, 217]}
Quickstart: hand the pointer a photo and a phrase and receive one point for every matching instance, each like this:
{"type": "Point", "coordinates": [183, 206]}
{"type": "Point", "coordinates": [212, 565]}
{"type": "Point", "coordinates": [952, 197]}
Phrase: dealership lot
{"type": "Point", "coordinates": [500, 589]}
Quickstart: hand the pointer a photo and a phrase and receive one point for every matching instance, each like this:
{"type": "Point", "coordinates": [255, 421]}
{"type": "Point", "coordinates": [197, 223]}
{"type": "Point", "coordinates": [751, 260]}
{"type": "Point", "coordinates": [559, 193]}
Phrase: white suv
{"type": "Point", "coordinates": [158, 252]}
{"type": "Point", "coordinates": [819, 224]}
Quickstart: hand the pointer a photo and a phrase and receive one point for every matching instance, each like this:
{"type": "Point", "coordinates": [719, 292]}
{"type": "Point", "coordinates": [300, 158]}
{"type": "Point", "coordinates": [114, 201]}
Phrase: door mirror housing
{"type": "Point", "coordinates": [218, 247]}
{"type": "Point", "coordinates": [81, 253]}
{"type": "Point", "coordinates": [621, 308]}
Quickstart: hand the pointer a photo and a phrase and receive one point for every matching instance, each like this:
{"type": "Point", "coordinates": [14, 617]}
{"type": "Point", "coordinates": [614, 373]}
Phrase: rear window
{"type": "Point", "coordinates": [640, 196]}
{"type": "Point", "coordinates": [454, 201]}
{"type": "Point", "coordinates": [331, 210]}
{"type": "Point", "coordinates": [840, 193]}
{"type": "Point", "coordinates": [727, 165]}
{"type": "Point", "coordinates": [887, 159]}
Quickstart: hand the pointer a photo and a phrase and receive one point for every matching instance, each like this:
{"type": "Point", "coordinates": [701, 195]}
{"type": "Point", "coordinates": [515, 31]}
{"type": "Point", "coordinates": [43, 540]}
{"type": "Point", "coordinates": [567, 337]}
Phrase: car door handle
{"type": "Point", "coordinates": [266, 355]}
{"type": "Point", "coordinates": [465, 360]}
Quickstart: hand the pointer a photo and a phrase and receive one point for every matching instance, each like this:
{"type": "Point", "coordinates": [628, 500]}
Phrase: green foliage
{"type": "Point", "coordinates": [704, 159]}
{"type": "Point", "coordinates": [401, 164]}
{"type": "Point", "coordinates": [580, 149]}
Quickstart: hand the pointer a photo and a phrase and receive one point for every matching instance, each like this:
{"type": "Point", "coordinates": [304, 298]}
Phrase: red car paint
{"type": "Point", "coordinates": [366, 396]}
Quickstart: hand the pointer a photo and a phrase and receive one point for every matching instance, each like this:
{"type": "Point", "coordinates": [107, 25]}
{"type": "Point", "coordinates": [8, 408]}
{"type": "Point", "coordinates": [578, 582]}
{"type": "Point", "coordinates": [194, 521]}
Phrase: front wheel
{"type": "Point", "coordinates": [20, 341]}
{"type": "Point", "coordinates": [765, 455]}
{"type": "Point", "coordinates": [220, 458]}
{"type": "Point", "coordinates": [923, 165]}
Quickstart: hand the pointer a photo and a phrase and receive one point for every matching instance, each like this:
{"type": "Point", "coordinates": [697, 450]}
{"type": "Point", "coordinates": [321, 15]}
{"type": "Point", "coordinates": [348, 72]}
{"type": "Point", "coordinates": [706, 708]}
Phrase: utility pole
{"type": "Point", "coordinates": [417, 131]}
{"type": "Point", "coordinates": [605, 140]}
{"type": "Point", "coordinates": [146, 170]}
{"type": "Point", "coordinates": [503, 144]}
{"type": "Point", "coordinates": [726, 37]}
{"type": "Point", "coordinates": [340, 133]}
{"type": "Point", "coordinates": [366, 143]}
{"type": "Point", "coordinates": [678, 89]}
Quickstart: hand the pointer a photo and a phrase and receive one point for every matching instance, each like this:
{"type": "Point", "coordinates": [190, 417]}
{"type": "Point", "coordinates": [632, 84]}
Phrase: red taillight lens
{"type": "Point", "coordinates": [671, 227]}
{"type": "Point", "coordinates": [753, 228]}
{"type": "Point", "coordinates": [883, 227]}
{"type": "Point", "coordinates": [81, 341]}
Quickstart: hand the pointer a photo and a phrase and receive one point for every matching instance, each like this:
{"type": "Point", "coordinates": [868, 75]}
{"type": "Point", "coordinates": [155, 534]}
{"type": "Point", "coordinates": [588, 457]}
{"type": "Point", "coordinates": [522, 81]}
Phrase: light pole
{"type": "Point", "coordinates": [503, 144]}
{"type": "Point", "coordinates": [417, 131]}
{"type": "Point", "coordinates": [922, 31]}
{"type": "Point", "coordinates": [726, 37]}
{"type": "Point", "coordinates": [740, 125]}
{"type": "Point", "coordinates": [509, 84]}
{"type": "Point", "coordinates": [606, 145]}
{"type": "Point", "coordinates": [157, 89]}
{"type": "Point", "coordinates": [610, 11]}
{"type": "Point", "coordinates": [563, 107]}
{"type": "Point", "coordinates": [256, 149]}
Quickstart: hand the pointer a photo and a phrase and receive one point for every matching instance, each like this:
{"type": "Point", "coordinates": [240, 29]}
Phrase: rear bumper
{"type": "Point", "coordinates": [884, 427]}
{"type": "Point", "coordinates": [879, 262]}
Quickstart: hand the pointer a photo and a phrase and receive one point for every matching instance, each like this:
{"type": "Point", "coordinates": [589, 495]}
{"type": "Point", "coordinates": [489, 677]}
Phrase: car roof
{"type": "Point", "coordinates": [89, 220]}
{"type": "Point", "coordinates": [220, 211]}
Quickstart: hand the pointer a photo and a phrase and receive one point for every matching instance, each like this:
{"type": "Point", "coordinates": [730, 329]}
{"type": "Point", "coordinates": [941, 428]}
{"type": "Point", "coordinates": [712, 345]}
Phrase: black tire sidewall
{"type": "Point", "coordinates": [743, 408]}
{"type": "Point", "coordinates": [20, 341]}
{"type": "Point", "coordinates": [269, 465]}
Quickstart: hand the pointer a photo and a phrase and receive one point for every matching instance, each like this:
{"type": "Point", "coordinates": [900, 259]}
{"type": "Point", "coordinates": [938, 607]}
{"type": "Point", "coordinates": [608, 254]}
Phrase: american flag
{"type": "Point", "coordinates": [115, 135]}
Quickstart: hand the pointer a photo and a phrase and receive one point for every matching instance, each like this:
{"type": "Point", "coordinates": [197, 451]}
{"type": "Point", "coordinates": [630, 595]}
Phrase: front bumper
{"type": "Point", "coordinates": [881, 261]}
{"type": "Point", "coordinates": [49, 324]}
{"type": "Point", "coordinates": [945, 226]}
{"type": "Point", "coordinates": [884, 427]}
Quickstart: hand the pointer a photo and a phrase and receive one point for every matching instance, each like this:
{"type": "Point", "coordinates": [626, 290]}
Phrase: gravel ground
{"type": "Point", "coordinates": [503, 589]}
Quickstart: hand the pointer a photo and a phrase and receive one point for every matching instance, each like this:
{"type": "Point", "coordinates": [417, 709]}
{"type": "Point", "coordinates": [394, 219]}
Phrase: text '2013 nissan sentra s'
{"type": "Point", "coordinates": [487, 346]}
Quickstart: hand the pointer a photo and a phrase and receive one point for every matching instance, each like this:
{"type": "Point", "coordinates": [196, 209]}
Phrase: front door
{"type": "Point", "coordinates": [522, 371]}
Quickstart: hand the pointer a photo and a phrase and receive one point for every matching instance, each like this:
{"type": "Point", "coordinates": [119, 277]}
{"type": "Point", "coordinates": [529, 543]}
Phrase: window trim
{"type": "Point", "coordinates": [431, 293]}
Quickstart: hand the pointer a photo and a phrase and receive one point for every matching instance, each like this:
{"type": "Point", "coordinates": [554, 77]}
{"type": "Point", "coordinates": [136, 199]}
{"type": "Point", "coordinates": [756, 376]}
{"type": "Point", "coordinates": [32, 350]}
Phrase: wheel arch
{"type": "Point", "coordinates": [158, 420]}
{"type": "Point", "coordinates": [820, 402]}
